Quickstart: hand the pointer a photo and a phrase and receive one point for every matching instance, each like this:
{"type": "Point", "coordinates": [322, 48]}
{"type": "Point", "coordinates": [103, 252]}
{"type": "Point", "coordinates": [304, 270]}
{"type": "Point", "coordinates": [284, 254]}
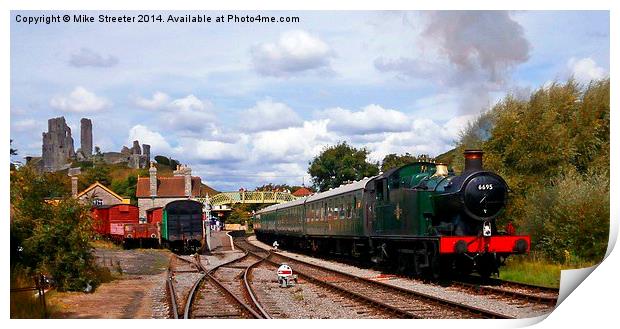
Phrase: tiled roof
{"type": "Point", "coordinates": [95, 184]}
{"type": "Point", "coordinates": [168, 187]}
{"type": "Point", "coordinates": [302, 191]}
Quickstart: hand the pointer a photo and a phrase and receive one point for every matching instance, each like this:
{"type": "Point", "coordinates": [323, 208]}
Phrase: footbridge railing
{"type": "Point", "coordinates": [228, 198]}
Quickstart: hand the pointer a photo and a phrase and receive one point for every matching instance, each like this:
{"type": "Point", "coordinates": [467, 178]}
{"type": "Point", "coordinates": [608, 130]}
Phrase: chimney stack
{"type": "Point", "coordinates": [73, 173]}
{"type": "Point", "coordinates": [153, 180]}
{"type": "Point", "coordinates": [74, 186]}
{"type": "Point", "coordinates": [188, 181]}
{"type": "Point", "coordinates": [473, 160]}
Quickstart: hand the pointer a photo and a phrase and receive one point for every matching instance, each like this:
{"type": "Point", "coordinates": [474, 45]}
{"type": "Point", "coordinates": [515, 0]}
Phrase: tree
{"type": "Point", "coordinates": [553, 150]}
{"type": "Point", "coordinates": [393, 160]}
{"type": "Point", "coordinates": [99, 174]}
{"type": "Point", "coordinates": [162, 160]}
{"type": "Point", "coordinates": [50, 237]}
{"type": "Point", "coordinates": [12, 153]}
{"type": "Point", "coordinates": [338, 164]}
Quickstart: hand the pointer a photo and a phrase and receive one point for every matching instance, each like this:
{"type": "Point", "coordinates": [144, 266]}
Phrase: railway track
{"type": "Point", "coordinates": [400, 302]}
{"type": "Point", "coordinates": [225, 292]}
{"type": "Point", "coordinates": [183, 274]}
{"type": "Point", "coordinates": [509, 289]}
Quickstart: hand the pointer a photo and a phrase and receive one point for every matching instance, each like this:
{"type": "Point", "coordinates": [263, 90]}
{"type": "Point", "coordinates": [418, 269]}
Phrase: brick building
{"type": "Point", "coordinates": [98, 195]}
{"type": "Point", "coordinates": [156, 191]}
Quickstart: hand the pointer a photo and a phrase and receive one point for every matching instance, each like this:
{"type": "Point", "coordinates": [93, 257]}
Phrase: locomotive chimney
{"type": "Point", "coordinates": [473, 160]}
{"type": "Point", "coordinates": [153, 180]}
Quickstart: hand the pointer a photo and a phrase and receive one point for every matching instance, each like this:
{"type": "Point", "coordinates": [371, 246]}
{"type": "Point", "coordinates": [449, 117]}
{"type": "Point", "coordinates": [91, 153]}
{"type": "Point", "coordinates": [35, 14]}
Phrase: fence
{"type": "Point", "coordinates": [40, 283]}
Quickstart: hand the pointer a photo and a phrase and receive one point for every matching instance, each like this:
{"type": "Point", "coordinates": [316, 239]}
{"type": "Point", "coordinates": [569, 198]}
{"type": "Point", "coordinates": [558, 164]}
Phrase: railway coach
{"type": "Point", "coordinates": [420, 218]}
{"type": "Point", "coordinates": [182, 228]}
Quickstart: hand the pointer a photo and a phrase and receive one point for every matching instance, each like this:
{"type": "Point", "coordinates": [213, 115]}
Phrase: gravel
{"type": "Point", "coordinates": [516, 309]}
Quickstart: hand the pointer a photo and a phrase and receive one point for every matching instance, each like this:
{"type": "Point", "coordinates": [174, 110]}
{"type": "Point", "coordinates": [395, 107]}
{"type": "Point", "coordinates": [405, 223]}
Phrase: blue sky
{"type": "Point", "coordinates": [247, 104]}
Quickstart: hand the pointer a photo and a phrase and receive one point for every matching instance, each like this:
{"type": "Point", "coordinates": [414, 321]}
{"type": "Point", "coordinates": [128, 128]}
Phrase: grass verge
{"type": "Point", "coordinates": [532, 270]}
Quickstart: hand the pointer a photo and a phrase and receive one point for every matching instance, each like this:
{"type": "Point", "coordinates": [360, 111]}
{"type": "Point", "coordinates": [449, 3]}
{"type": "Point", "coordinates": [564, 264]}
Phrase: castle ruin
{"type": "Point", "coordinates": [58, 152]}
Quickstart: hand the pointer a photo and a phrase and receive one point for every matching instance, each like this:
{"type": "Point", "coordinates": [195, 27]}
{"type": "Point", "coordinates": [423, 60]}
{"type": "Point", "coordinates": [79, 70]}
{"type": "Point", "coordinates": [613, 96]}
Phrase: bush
{"type": "Point", "coordinates": [162, 160]}
{"type": "Point", "coordinates": [550, 149]}
{"type": "Point", "coordinates": [569, 220]}
{"type": "Point", "coordinates": [50, 236]}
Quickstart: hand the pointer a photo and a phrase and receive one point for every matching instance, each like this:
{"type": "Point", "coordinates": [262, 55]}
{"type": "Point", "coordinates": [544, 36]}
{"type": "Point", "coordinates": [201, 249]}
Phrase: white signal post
{"type": "Point", "coordinates": [285, 276]}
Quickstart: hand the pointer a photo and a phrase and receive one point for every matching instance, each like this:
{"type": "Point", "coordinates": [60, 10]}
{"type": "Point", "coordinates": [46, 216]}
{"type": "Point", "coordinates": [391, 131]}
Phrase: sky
{"type": "Point", "coordinates": [244, 104]}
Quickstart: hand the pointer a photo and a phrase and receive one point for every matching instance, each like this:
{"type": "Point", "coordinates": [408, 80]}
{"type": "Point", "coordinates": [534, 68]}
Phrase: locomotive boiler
{"type": "Point", "coordinates": [420, 218]}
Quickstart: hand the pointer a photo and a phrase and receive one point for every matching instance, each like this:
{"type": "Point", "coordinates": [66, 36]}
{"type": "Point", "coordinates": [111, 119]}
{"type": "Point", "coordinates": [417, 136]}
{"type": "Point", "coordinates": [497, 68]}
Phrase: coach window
{"type": "Point", "coordinates": [379, 188]}
{"type": "Point", "coordinates": [324, 211]}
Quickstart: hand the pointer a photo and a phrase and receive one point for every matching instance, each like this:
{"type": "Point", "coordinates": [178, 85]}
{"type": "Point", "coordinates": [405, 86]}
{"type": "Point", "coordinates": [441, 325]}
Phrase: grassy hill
{"type": "Point", "coordinates": [120, 178]}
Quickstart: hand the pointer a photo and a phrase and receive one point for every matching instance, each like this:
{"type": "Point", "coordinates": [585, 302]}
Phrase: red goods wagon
{"type": "Point", "coordinates": [110, 220]}
{"type": "Point", "coordinates": [100, 220]}
{"type": "Point", "coordinates": [154, 215]}
{"type": "Point", "coordinates": [141, 231]}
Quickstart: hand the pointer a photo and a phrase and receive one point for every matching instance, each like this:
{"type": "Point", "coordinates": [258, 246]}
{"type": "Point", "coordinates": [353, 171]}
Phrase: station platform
{"type": "Point", "coordinates": [220, 241]}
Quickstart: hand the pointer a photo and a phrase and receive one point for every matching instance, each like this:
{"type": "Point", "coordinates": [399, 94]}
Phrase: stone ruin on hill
{"type": "Point", "coordinates": [58, 152]}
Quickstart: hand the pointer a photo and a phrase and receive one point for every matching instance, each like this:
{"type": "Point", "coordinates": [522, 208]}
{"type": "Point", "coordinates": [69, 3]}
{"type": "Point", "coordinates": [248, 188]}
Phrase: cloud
{"type": "Point", "coordinates": [370, 120]}
{"type": "Point", "coordinates": [87, 57]}
{"type": "Point", "coordinates": [294, 144]}
{"type": "Point", "coordinates": [470, 52]}
{"type": "Point", "coordinates": [144, 135]}
{"type": "Point", "coordinates": [296, 51]}
{"type": "Point", "coordinates": [25, 125]}
{"type": "Point", "coordinates": [269, 115]}
{"type": "Point", "coordinates": [188, 114]}
{"type": "Point", "coordinates": [585, 70]}
{"type": "Point", "coordinates": [424, 136]}
{"type": "Point", "coordinates": [480, 43]}
{"type": "Point", "coordinates": [80, 100]}
{"type": "Point", "coordinates": [189, 103]}
{"type": "Point", "coordinates": [158, 101]}
{"type": "Point", "coordinates": [215, 151]}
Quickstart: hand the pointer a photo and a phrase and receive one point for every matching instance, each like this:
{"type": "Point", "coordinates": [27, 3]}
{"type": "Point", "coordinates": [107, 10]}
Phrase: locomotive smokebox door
{"type": "Point", "coordinates": [285, 276]}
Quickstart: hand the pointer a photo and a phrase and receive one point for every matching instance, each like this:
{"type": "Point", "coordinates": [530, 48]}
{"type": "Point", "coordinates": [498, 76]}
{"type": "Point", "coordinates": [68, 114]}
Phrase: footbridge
{"type": "Point", "coordinates": [223, 200]}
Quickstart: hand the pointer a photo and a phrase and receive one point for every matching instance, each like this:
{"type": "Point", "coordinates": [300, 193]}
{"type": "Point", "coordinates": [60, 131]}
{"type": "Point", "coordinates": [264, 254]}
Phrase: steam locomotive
{"type": "Point", "coordinates": [419, 218]}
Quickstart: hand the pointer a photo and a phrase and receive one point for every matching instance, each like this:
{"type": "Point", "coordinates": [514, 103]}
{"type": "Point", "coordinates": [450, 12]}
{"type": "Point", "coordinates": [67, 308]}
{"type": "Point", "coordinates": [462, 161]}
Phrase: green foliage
{"type": "Point", "coordinates": [393, 160]}
{"type": "Point", "coordinates": [571, 217]}
{"type": "Point", "coordinates": [239, 214]}
{"type": "Point", "coordinates": [99, 173]}
{"type": "Point", "coordinates": [553, 150]}
{"type": "Point", "coordinates": [50, 236]}
{"type": "Point", "coordinates": [162, 160]}
{"type": "Point", "coordinates": [174, 164]}
{"type": "Point", "coordinates": [338, 164]}
{"type": "Point", "coordinates": [23, 304]}
{"type": "Point", "coordinates": [126, 187]}
{"type": "Point", "coordinates": [277, 188]}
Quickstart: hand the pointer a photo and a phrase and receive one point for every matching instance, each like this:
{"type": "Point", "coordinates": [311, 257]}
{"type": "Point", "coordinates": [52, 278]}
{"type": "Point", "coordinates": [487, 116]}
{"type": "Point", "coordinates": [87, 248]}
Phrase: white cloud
{"type": "Point", "coordinates": [584, 70]}
{"type": "Point", "coordinates": [80, 100]}
{"type": "Point", "coordinates": [269, 115]}
{"type": "Point", "coordinates": [188, 114]}
{"type": "Point", "coordinates": [371, 119]}
{"type": "Point", "coordinates": [144, 135]}
{"type": "Point", "coordinates": [25, 125]}
{"type": "Point", "coordinates": [214, 151]}
{"type": "Point", "coordinates": [87, 57]}
{"type": "Point", "coordinates": [189, 103]}
{"type": "Point", "coordinates": [295, 51]}
{"type": "Point", "coordinates": [295, 144]}
{"type": "Point", "coordinates": [158, 101]}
